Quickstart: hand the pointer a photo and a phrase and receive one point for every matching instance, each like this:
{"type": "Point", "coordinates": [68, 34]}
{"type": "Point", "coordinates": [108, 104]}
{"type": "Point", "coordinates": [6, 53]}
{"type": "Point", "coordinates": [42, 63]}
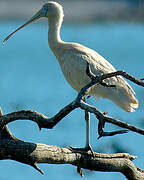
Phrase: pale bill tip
{"type": "Point", "coordinates": [4, 41]}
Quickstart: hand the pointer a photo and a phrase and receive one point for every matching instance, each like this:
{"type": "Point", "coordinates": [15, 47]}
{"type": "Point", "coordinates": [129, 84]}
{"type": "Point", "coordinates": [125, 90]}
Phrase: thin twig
{"type": "Point", "coordinates": [100, 78]}
{"type": "Point", "coordinates": [102, 133]}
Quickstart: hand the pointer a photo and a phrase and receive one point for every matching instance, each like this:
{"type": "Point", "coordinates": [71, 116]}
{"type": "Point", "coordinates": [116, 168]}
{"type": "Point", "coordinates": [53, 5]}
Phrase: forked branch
{"type": "Point", "coordinates": [31, 153]}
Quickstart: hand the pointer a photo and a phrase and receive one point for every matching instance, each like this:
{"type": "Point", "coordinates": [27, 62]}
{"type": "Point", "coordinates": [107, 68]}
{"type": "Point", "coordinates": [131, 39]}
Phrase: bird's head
{"type": "Point", "coordinates": [49, 10]}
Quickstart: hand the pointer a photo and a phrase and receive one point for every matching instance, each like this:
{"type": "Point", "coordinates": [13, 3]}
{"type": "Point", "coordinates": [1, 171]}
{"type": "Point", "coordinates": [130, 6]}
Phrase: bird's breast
{"type": "Point", "coordinates": [74, 70]}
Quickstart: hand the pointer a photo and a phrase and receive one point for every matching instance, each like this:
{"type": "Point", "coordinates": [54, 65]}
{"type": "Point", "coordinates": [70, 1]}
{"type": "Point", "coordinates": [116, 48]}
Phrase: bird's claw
{"type": "Point", "coordinates": [85, 149]}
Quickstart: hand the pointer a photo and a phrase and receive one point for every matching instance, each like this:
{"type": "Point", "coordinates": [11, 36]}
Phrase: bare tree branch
{"type": "Point", "coordinates": [41, 120]}
{"type": "Point", "coordinates": [32, 154]}
{"type": "Point", "coordinates": [47, 122]}
{"type": "Point", "coordinates": [109, 119]}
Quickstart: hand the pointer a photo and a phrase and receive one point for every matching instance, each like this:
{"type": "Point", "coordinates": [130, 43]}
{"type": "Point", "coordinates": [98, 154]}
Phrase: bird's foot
{"type": "Point", "coordinates": [85, 149]}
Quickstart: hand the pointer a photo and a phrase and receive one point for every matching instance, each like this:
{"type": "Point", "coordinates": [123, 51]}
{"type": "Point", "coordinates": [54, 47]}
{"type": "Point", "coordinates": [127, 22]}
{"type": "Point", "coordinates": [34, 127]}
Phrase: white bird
{"type": "Point", "coordinates": [73, 59]}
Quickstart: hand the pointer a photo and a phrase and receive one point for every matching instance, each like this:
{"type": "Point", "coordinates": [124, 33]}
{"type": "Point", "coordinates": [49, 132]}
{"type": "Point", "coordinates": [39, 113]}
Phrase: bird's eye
{"type": "Point", "coordinates": [44, 10]}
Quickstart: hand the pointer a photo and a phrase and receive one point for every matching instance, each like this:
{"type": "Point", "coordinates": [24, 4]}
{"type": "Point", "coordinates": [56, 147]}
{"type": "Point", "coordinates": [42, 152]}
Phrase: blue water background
{"type": "Point", "coordinates": [30, 78]}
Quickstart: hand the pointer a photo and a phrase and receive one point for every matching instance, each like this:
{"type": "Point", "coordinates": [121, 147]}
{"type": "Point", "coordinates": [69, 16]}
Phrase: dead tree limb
{"type": "Point", "coordinates": [31, 153]}
{"type": "Point", "coordinates": [49, 122]}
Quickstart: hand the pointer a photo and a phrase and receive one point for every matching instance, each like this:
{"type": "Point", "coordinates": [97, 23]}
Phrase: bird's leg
{"type": "Point", "coordinates": [87, 146]}
{"type": "Point", "coordinates": [87, 119]}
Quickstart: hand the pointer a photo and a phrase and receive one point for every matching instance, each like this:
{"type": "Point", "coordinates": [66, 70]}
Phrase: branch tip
{"type": "Point", "coordinates": [104, 134]}
{"type": "Point", "coordinates": [39, 127]}
{"type": "Point", "coordinates": [79, 171]}
{"type": "Point", "coordinates": [37, 168]}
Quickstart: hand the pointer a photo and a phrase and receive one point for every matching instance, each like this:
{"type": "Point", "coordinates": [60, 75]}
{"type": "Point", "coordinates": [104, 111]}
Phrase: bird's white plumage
{"type": "Point", "coordinates": [73, 59]}
{"type": "Point", "coordinates": [73, 63]}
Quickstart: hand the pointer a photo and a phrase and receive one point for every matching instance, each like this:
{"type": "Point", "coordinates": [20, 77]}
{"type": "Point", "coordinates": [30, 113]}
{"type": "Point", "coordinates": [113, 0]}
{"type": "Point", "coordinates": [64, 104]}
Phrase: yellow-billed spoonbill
{"type": "Point", "coordinates": [73, 59]}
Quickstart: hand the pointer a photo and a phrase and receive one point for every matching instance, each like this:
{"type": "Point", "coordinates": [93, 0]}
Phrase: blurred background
{"type": "Point", "coordinates": [30, 78]}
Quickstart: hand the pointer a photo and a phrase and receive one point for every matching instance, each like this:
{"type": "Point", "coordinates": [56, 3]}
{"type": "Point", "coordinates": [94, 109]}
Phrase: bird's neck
{"type": "Point", "coordinates": [54, 35]}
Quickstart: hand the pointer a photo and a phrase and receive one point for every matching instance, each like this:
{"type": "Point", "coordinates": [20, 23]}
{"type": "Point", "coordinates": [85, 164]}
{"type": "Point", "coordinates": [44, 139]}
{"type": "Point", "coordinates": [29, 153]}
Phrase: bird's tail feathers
{"type": "Point", "coordinates": [134, 104]}
{"type": "Point", "coordinates": [128, 102]}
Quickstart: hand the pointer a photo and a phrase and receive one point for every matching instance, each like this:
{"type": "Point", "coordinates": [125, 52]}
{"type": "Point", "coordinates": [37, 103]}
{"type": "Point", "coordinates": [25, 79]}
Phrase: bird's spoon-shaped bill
{"type": "Point", "coordinates": [35, 17]}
